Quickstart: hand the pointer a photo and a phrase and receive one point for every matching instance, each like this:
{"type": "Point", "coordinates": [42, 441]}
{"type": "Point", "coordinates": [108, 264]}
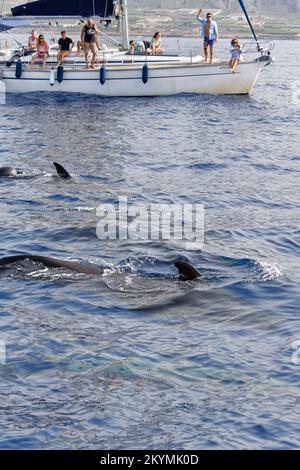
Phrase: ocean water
{"type": "Point", "coordinates": [137, 359]}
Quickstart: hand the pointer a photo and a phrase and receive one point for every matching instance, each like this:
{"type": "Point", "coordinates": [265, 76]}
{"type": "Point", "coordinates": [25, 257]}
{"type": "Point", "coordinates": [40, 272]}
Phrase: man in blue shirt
{"type": "Point", "coordinates": [209, 32]}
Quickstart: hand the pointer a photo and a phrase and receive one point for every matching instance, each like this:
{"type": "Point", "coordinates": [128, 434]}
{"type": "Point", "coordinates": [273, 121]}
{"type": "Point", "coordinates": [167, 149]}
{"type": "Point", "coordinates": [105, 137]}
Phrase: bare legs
{"type": "Point", "coordinates": [233, 65]}
{"type": "Point", "coordinates": [39, 56]}
{"type": "Point", "coordinates": [87, 48]}
{"type": "Point", "coordinates": [80, 46]}
{"type": "Point", "coordinates": [62, 55]}
{"type": "Point", "coordinates": [211, 50]}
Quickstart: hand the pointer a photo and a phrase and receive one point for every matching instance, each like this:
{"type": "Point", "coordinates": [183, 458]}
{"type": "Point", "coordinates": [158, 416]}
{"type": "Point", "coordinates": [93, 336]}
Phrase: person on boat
{"type": "Point", "coordinates": [137, 47]}
{"type": "Point", "coordinates": [155, 44]}
{"type": "Point", "coordinates": [89, 39]}
{"type": "Point", "coordinates": [42, 51]}
{"type": "Point", "coordinates": [236, 53]}
{"type": "Point", "coordinates": [65, 47]}
{"type": "Point", "coordinates": [32, 41]}
{"type": "Point", "coordinates": [209, 32]}
{"type": "Point", "coordinates": [80, 47]}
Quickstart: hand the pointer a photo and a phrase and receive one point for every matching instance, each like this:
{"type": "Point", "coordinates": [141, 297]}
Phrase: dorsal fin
{"type": "Point", "coordinates": [61, 171]}
{"type": "Point", "coordinates": [186, 271]}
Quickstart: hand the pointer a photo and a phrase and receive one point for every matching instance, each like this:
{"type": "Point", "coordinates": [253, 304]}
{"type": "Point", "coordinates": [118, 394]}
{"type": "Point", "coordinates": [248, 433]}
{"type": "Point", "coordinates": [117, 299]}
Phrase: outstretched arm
{"type": "Point", "coordinates": [199, 12]}
{"type": "Point", "coordinates": [199, 15]}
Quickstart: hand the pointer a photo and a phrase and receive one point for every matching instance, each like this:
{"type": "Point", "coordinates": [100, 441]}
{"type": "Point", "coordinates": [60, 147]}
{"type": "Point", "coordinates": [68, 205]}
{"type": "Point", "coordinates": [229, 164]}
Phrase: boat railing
{"type": "Point", "coordinates": [252, 47]}
{"type": "Point", "coordinates": [5, 44]}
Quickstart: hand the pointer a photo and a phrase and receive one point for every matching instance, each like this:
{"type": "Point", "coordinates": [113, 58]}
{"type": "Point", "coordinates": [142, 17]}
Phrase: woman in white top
{"type": "Point", "coordinates": [32, 41]}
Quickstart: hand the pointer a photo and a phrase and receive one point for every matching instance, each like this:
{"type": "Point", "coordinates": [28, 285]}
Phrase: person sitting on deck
{"type": "Point", "coordinates": [42, 51]}
{"type": "Point", "coordinates": [80, 47]}
{"type": "Point", "coordinates": [137, 47]}
{"type": "Point", "coordinates": [209, 32]}
{"type": "Point", "coordinates": [236, 53]}
{"type": "Point", "coordinates": [155, 44]}
{"type": "Point", "coordinates": [32, 41]}
{"type": "Point", "coordinates": [65, 47]}
{"type": "Point", "coordinates": [89, 39]}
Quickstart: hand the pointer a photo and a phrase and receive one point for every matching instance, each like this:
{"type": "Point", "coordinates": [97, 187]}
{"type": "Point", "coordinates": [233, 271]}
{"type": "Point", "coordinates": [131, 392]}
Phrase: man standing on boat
{"type": "Point", "coordinates": [89, 40]}
{"type": "Point", "coordinates": [209, 32]}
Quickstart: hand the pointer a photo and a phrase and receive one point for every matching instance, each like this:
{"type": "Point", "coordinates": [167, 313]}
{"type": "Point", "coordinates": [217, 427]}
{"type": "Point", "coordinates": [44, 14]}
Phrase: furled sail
{"type": "Point", "coordinates": [56, 8]}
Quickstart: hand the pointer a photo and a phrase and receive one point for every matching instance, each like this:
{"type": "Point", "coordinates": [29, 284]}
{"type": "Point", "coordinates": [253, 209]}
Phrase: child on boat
{"type": "Point", "coordinates": [155, 44]}
{"type": "Point", "coordinates": [236, 53]}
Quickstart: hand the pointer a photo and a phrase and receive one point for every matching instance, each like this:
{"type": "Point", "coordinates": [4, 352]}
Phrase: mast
{"type": "Point", "coordinates": [124, 25]}
{"type": "Point", "coordinates": [241, 2]}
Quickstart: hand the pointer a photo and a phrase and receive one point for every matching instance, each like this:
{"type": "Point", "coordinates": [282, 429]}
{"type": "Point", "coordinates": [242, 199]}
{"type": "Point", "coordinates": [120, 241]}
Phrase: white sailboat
{"type": "Point", "coordinates": [141, 77]}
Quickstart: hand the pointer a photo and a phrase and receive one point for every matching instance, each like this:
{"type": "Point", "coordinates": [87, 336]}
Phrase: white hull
{"type": "Point", "coordinates": [126, 80]}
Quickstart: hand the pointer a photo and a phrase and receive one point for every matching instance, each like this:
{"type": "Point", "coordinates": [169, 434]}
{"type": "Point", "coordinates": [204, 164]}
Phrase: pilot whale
{"type": "Point", "coordinates": [8, 171]}
{"type": "Point", "coordinates": [186, 271]}
{"type": "Point", "coordinates": [11, 172]}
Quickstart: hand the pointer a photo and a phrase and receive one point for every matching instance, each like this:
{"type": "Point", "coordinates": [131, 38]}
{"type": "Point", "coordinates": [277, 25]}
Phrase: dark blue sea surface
{"type": "Point", "coordinates": [139, 360]}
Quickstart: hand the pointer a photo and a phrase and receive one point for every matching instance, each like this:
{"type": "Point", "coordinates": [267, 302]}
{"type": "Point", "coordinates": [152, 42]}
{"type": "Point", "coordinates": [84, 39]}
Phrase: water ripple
{"type": "Point", "coordinates": [137, 359]}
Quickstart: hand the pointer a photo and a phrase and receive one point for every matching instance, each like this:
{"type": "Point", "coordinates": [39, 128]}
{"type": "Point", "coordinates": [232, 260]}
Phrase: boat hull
{"type": "Point", "coordinates": [128, 80]}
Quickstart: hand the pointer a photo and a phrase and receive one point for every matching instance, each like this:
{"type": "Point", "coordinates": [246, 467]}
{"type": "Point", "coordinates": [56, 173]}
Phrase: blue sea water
{"type": "Point", "coordinates": [139, 361]}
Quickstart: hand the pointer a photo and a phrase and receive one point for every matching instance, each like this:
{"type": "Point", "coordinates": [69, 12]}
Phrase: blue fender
{"type": "Point", "coordinates": [145, 74]}
{"type": "Point", "coordinates": [19, 69]}
{"type": "Point", "coordinates": [102, 77]}
{"type": "Point", "coordinates": [60, 73]}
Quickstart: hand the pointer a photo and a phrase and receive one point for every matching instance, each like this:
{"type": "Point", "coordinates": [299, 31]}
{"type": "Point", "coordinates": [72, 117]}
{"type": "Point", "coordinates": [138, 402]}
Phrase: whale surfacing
{"type": "Point", "coordinates": [8, 171]}
{"type": "Point", "coordinates": [54, 263]}
{"type": "Point", "coordinates": [186, 271]}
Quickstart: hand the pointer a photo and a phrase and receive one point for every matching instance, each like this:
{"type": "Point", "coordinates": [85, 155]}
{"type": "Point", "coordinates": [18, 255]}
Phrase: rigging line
{"type": "Point", "coordinates": [14, 39]}
{"type": "Point", "coordinates": [106, 5]}
{"type": "Point", "coordinates": [94, 9]}
{"type": "Point", "coordinates": [241, 2]}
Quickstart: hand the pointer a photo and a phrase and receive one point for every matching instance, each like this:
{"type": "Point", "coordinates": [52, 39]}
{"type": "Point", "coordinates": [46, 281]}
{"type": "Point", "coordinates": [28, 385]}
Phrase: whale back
{"type": "Point", "coordinates": [54, 263]}
{"type": "Point", "coordinates": [8, 171]}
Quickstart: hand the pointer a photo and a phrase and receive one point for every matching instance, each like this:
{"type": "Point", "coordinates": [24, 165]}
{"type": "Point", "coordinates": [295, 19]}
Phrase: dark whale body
{"type": "Point", "coordinates": [8, 171]}
{"type": "Point", "coordinates": [54, 263]}
{"type": "Point", "coordinates": [11, 172]}
{"type": "Point", "coordinates": [187, 272]}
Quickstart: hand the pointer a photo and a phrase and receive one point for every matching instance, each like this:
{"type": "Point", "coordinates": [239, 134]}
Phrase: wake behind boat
{"type": "Point", "coordinates": [117, 73]}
